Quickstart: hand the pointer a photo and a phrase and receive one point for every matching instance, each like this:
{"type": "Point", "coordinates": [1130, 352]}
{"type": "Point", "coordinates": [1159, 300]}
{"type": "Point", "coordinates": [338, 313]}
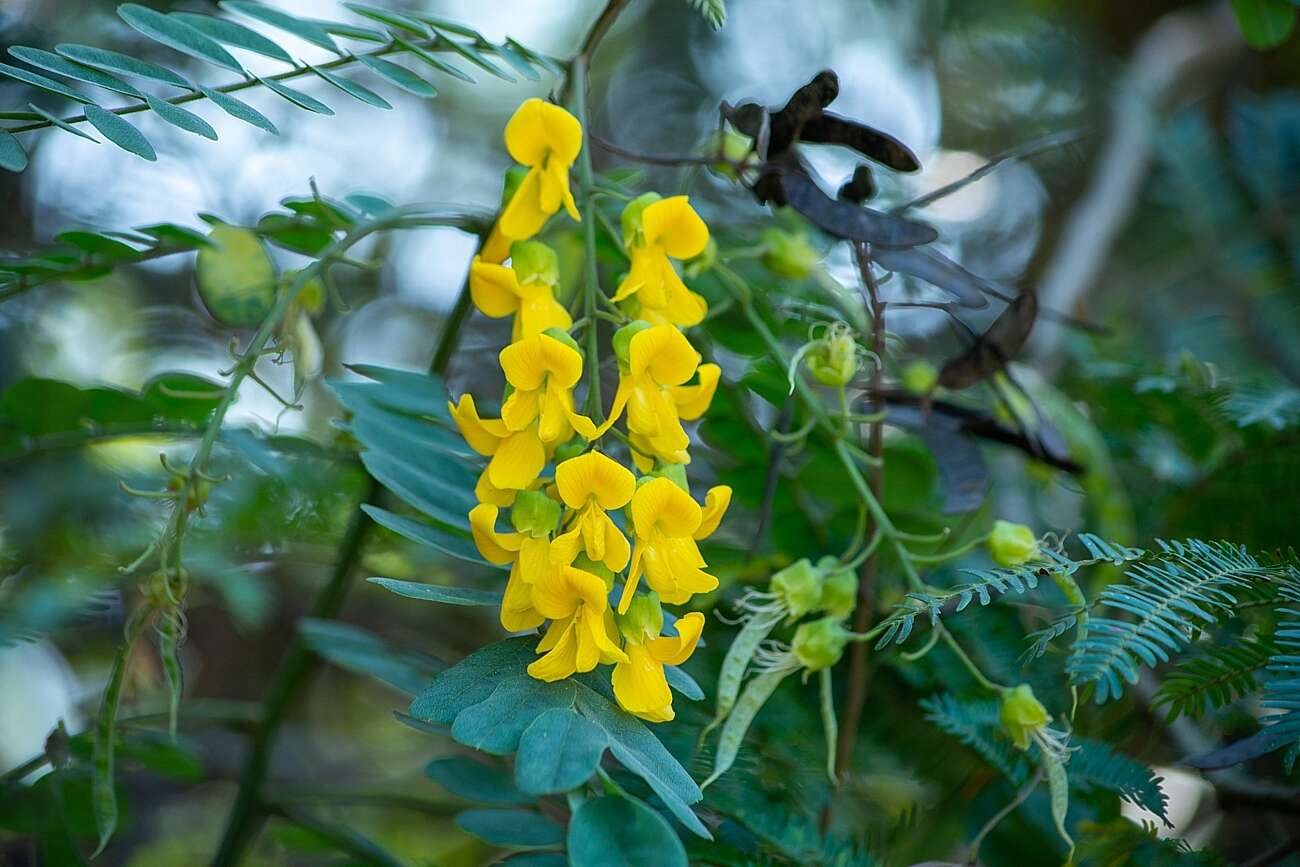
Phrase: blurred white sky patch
{"type": "Point", "coordinates": [434, 265]}
{"type": "Point", "coordinates": [46, 692]}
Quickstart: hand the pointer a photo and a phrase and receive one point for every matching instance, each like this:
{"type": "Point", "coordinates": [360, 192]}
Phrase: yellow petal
{"type": "Point", "coordinates": [684, 307]}
{"type": "Point", "coordinates": [517, 611]}
{"type": "Point", "coordinates": [563, 363]}
{"type": "Point", "coordinates": [520, 409]}
{"type": "Point", "coordinates": [639, 683]}
{"type": "Point", "coordinates": [496, 248]}
{"type": "Point", "coordinates": [562, 657]}
{"type": "Point", "coordinates": [565, 547]}
{"type": "Point", "coordinates": [642, 259]}
{"type": "Point", "coordinates": [660, 505]}
{"type": "Point", "coordinates": [494, 288]}
{"type": "Point", "coordinates": [693, 400]}
{"type": "Point", "coordinates": [483, 435]}
{"type": "Point", "coordinates": [633, 578]}
{"type": "Point", "coordinates": [554, 633]}
{"type": "Point", "coordinates": [594, 475]}
{"type": "Point", "coordinates": [674, 650]}
{"type": "Point", "coordinates": [663, 353]}
{"type": "Point", "coordinates": [523, 217]}
{"type": "Point", "coordinates": [716, 502]}
{"type": "Point", "coordinates": [518, 462]}
{"type": "Point", "coordinates": [538, 313]}
{"type": "Point", "coordinates": [499, 548]}
{"type": "Point", "coordinates": [486, 492]}
{"type": "Point", "coordinates": [673, 223]}
{"type": "Point", "coordinates": [598, 634]}
{"type": "Point", "coordinates": [617, 549]}
{"type": "Point", "coordinates": [538, 129]}
{"type": "Point", "coordinates": [524, 363]}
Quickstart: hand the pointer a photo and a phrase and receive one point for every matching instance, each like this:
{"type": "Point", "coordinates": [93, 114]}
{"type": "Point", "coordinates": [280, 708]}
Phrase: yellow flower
{"type": "Point", "coordinates": [669, 228]}
{"type": "Point", "coordinates": [665, 520]}
{"type": "Point", "coordinates": [526, 289]}
{"type": "Point", "coordinates": [543, 370]}
{"type": "Point", "coordinates": [639, 684]}
{"type": "Point", "coordinates": [517, 455]}
{"type": "Point", "coordinates": [654, 393]}
{"type": "Point", "coordinates": [531, 559]}
{"type": "Point", "coordinates": [580, 635]}
{"type": "Point", "coordinates": [590, 485]}
{"type": "Point", "coordinates": [716, 502]}
{"type": "Point", "coordinates": [547, 139]}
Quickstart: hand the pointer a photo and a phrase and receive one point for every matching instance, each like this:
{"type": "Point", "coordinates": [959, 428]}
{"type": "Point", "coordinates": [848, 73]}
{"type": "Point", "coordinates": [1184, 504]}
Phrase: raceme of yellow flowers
{"type": "Point", "coordinates": [580, 518]}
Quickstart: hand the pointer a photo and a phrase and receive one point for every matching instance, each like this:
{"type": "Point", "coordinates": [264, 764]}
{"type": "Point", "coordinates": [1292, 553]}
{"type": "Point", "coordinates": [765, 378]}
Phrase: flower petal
{"type": "Point", "coordinates": [673, 223]}
{"type": "Point", "coordinates": [483, 435]}
{"type": "Point", "coordinates": [716, 502]}
{"type": "Point", "coordinates": [676, 649]}
{"type": "Point", "coordinates": [486, 492]}
{"type": "Point", "coordinates": [518, 461]}
{"type": "Point", "coordinates": [660, 505]}
{"type": "Point", "coordinates": [639, 683]}
{"type": "Point", "coordinates": [693, 400]}
{"type": "Point", "coordinates": [594, 474]}
{"type": "Point", "coordinates": [524, 363]}
{"type": "Point", "coordinates": [562, 658]}
{"type": "Point", "coordinates": [517, 611]}
{"type": "Point", "coordinates": [539, 128]}
{"type": "Point", "coordinates": [523, 216]}
{"type": "Point", "coordinates": [494, 288]}
{"type": "Point", "coordinates": [538, 313]}
{"type": "Point", "coordinates": [664, 353]}
{"type": "Point", "coordinates": [496, 248]}
{"type": "Point", "coordinates": [499, 548]}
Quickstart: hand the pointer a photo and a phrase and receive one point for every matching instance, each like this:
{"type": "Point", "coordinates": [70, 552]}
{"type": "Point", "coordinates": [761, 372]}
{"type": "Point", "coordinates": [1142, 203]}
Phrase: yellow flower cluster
{"type": "Point", "coordinates": [565, 494]}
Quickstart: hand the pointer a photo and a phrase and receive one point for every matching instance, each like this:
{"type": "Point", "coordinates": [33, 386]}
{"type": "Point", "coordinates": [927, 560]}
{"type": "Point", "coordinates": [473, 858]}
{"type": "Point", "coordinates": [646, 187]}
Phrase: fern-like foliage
{"type": "Point", "coordinates": [423, 39]}
{"type": "Point", "coordinates": [1183, 588]}
{"type": "Point", "coordinates": [989, 584]}
{"type": "Point", "coordinates": [1278, 407]}
{"type": "Point", "coordinates": [976, 724]}
{"type": "Point", "coordinates": [1097, 765]}
{"type": "Point", "coordinates": [1283, 691]}
{"type": "Point", "coordinates": [712, 11]}
{"type": "Point", "coordinates": [1215, 677]}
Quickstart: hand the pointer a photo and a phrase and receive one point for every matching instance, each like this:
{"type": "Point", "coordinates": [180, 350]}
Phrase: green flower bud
{"type": "Point", "coordinates": [920, 377]}
{"type": "Point", "coordinates": [564, 337]}
{"type": "Point", "coordinates": [1012, 544]}
{"type": "Point", "coordinates": [834, 359]}
{"type": "Point", "coordinates": [534, 262]}
{"type": "Point", "coordinates": [586, 564]}
{"type": "Point", "coordinates": [514, 177]}
{"type": "Point", "coordinates": [534, 513]}
{"type": "Point", "coordinates": [800, 587]}
{"type": "Point", "coordinates": [787, 254]}
{"type": "Point", "coordinates": [732, 146]}
{"type": "Point", "coordinates": [839, 593]}
{"type": "Point", "coordinates": [623, 341]}
{"type": "Point", "coordinates": [703, 262]}
{"type": "Point", "coordinates": [631, 219]}
{"type": "Point", "coordinates": [644, 618]}
{"type": "Point", "coordinates": [820, 643]}
{"type": "Point", "coordinates": [675, 473]}
{"type": "Point", "coordinates": [1022, 714]}
{"type": "Point", "coordinates": [570, 449]}
{"type": "Point", "coordinates": [197, 497]}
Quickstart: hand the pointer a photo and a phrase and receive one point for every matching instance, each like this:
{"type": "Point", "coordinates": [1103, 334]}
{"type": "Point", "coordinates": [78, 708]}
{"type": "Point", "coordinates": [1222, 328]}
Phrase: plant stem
{"type": "Point", "coordinates": [591, 281]}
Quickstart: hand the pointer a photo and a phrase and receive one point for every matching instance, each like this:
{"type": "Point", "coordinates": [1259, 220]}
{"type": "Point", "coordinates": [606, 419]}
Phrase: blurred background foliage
{"type": "Point", "coordinates": [1178, 197]}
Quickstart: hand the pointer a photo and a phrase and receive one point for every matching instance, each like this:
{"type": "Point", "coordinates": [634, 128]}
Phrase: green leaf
{"type": "Point", "coordinates": [428, 490]}
{"type": "Point", "coordinates": [100, 245]}
{"type": "Point", "coordinates": [311, 31]}
{"type": "Point", "coordinates": [448, 542]}
{"type": "Point", "coordinates": [297, 97]}
{"type": "Point", "coordinates": [468, 596]}
{"type": "Point", "coordinates": [472, 680]}
{"type": "Point", "coordinates": [236, 277]}
{"type": "Point", "coordinates": [385, 16]}
{"type": "Point", "coordinates": [177, 35]}
{"type": "Point", "coordinates": [522, 828]}
{"type": "Point", "coordinates": [233, 33]}
{"type": "Point", "coordinates": [181, 236]}
{"type": "Point", "coordinates": [612, 831]}
{"type": "Point", "coordinates": [52, 62]}
{"type": "Point", "coordinates": [475, 781]}
{"type": "Point", "coordinates": [399, 75]}
{"type": "Point", "coordinates": [476, 58]}
{"type": "Point", "coordinates": [512, 57]}
{"type": "Point", "coordinates": [433, 60]}
{"type": "Point", "coordinates": [540, 59]}
{"type": "Point", "coordinates": [559, 751]}
{"type": "Point", "coordinates": [354, 31]}
{"type": "Point", "coordinates": [12, 156]}
{"type": "Point", "coordinates": [240, 110]}
{"type": "Point", "coordinates": [536, 859]}
{"type": "Point", "coordinates": [353, 89]}
{"type": "Point", "coordinates": [181, 118]}
{"type": "Point", "coordinates": [1265, 23]}
{"type": "Point", "coordinates": [40, 81]}
{"type": "Point", "coordinates": [102, 58]}
{"type": "Point", "coordinates": [120, 133]}
{"type": "Point", "coordinates": [496, 723]}
{"type": "Point", "coordinates": [683, 683]}
{"type": "Point", "coordinates": [418, 393]}
{"type": "Point", "coordinates": [61, 123]}
{"type": "Point", "coordinates": [358, 651]}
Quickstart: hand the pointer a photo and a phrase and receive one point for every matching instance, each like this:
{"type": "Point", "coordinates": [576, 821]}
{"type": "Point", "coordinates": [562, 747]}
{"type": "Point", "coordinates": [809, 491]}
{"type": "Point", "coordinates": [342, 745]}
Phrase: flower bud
{"type": "Point", "coordinates": [820, 643]}
{"type": "Point", "coordinates": [920, 377]}
{"type": "Point", "coordinates": [564, 337]}
{"type": "Point", "coordinates": [631, 219]}
{"type": "Point", "coordinates": [623, 341]}
{"type": "Point", "coordinates": [514, 177]}
{"type": "Point", "coordinates": [644, 618]}
{"type": "Point", "coordinates": [704, 261]}
{"type": "Point", "coordinates": [534, 513]}
{"type": "Point", "coordinates": [197, 497]}
{"type": "Point", "coordinates": [1022, 714]}
{"type": "Point", "coordinates": [534, 262]}
{"type": "Point", "coordinates": [834, 359]}
{"type": "Point", "coordinates": [799, 586]}
{"type": "Point", "coordinates": [731, 146]}
{"type": "Point", "coordinates": [839, 593]}
{"type": "Point", "coordinates": [787, 254]}
{"type": "Point", "coordinates": [675, 473]}
{"type": "Point", "coordinates": [1012, 544]}
{"type": "Point", "coordinates": [600, 570]}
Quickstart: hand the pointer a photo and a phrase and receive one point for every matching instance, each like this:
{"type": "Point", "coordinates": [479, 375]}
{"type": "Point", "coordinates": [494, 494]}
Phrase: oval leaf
{"type": "Point", "coordinates": [239, 109]}
{"type": "Point", "coordinates": [120, 133]}
{"type": "Point", "coordinates": [40, 81]}
{"type": "Point", "coordinates": [475, 781]}
{"type": "Point", "coordinates": [558, 752]}
{"type": "Point", "coordinates": [297, 97]}
{"type": "Point", "coordinates": [182, 118]}
{"type": "Point", "coordinates": [311, 31]}
{"type": "Point", "coordinates": [607, 832]}
{"type": "Point", "coordinates": [62, 124]}
{"type": "Point", "coordinates": [236, 277]}
{"type": "Point", "coordinates": [52, 62]}
{"type": "Point", "coordinates": [233, 33]}
{"type": "Point", "coordinates": [521, 828]}
{"type": "Point", "coordinates": [102, 58]}
{"type": "Point", "coordinates": [468, 596]}
{"type": "Point", "coordinates": [399, 75]}
{"type": "Point", "coordinates": [178, 35]}
{"type": "Point", "coordinates": [1265, 23]}
{"type": "Point", "coordinates": [12, 156]}
{"type": "Point", "coordinates": [353, 89]}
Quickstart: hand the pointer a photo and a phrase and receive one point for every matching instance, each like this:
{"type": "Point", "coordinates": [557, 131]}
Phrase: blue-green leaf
{"type": "Point", "coordinates": [97, 244]}
{"type": "Point", "coordinates": [614, 831]}
{"type": "Point", "coordinates": [512, 57]}
{"type": "Point", "coordinates": [12, 156]}
{"type": "Point", "coordinates": [40, 81]}
{"type": "Point", "coordinates": [233, 33]}
{"type": "Point", "coordinates": [683, 683]}
{"type": "Point", "coordinates": [433, 60]}
{"type": "Point", "coordinates": [181, 118]}
{"type": "Point", "coordinates": [61, 123]}
{"type": "Point", "coordinates": [52, 62]}
{"type": "Point", "coordinates": [178, 35]}
{"type": "Point", "coordinates": [472, 680]}
{"type": "Point", "coordinates": [297, 97]}
{"type": "Point", "coordinates": [357, 650]}
{"type": "Point", "coordinates": [446, 541]}
{"type": "Point", "coordinates": [431, 491]}
{"type": "Point", "coordinates": [475, 57]}
{"type": "Point", "coordinates": [399, 75]}
{"type": "Point", "coordinates": [396, 19]}
{"type": "Point", "coordinates": [240, 110]}
{"type": "Point", "coordinates": [102, 58]}
{"type": "Point", "coordinates": [523, 828]}
{"type": "Point", "coordinates": [496, 723]}
{"type": "Point", "coordinates": [475, 781]}
{"type": "Point", "coordinates": [353, 89]}
{"type": "Point", "coordinates": [559, 751]}
{"type": "Point", "coordinates": [120, 133]}
{"type": "Point", "coordinates": [468, 596]}
{"type": "Point", "coordinates": [311, 31]}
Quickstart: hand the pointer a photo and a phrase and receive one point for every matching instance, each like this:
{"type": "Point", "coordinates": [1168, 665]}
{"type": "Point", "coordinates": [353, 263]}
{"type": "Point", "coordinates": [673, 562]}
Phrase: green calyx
{"type": "Point", "coordinates": [799, 586]}
{"type": "Point", "coordinates": [833, 360]}
{"type": "Point", "coordinates": [535, 262]}
{"type": "Point", "coordinates": [787, 254]}
{"type": "Point", "coordinates": [1012, 544]}
{"type": "Point", "coordinates": [514, 177]}
{"type": "Point", "coordinates": [644, 618]}
{"type": "Point", "coordinates": [920, 377]}
{"type": "Point", "coordinates": [623, 342]}
{"type": "Point", "coordinates": [534, 513]}
{"type": "Point", "coordinates": [631, 219]}
{"type": "Point", "coordinates": [820, 643]}
{"type": "Point", "coordinates": [1022, 714]}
